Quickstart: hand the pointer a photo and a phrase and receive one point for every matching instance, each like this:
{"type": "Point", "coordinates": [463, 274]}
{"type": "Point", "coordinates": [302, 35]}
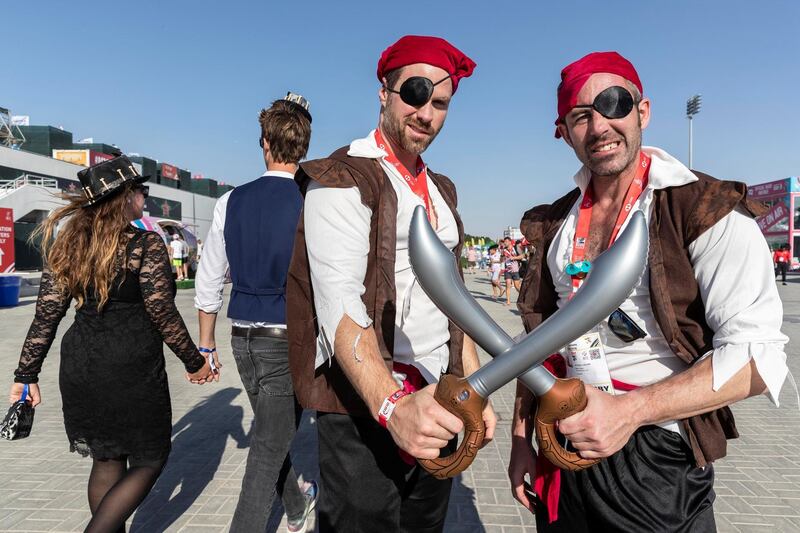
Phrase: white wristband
{"type": "Point", "coordinates": [388, 406]}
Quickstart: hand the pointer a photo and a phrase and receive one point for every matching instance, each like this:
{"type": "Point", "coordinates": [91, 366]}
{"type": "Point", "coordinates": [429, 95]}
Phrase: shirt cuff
{"type": "Point", "coordinates": [329, 315]}
{"type": "Point", "coordinates": [770, 361]}
{"type": "Point", "coordinates": [208, 307]}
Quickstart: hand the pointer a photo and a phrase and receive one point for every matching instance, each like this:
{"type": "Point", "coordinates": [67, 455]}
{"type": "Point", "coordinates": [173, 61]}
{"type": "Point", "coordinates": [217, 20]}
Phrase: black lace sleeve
{"type": "Point", "coordinates": [51, 306]}
{"type": "Point", "coordinates": [158, 291]}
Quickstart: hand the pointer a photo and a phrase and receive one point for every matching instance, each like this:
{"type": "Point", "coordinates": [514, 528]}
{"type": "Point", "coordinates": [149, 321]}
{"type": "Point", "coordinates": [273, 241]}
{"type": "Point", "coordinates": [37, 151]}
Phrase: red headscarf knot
{"type": "Point", "coordinates": [431, 50]}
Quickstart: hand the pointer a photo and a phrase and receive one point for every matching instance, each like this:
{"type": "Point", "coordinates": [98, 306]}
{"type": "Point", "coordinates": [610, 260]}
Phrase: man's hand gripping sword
{"type": "Point", "coordinates": [613, 276]}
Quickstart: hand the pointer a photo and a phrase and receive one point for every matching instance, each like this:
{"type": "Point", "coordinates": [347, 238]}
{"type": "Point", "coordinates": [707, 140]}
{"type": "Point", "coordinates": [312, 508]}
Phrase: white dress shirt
{"type": "Point", "coordinates": [733, 269]}
{"type": "Point", "coordinates": [212, 270]}
{"type": "Point", "coordinates": [337, 226]}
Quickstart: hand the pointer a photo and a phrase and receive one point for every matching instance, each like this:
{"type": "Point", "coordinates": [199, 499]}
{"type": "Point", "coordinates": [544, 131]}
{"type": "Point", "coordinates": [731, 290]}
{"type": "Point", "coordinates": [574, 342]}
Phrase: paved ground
{"type": "Point", "coordinates": [42, 485]}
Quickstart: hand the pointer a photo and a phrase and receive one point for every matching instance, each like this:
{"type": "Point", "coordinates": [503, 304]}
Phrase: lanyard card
{"type": "Point", "coordinates": [586, 359]}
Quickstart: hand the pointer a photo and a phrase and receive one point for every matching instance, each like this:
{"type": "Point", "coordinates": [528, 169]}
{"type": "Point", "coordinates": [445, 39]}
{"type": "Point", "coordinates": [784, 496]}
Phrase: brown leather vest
{"type": "Point", "coordinates": [680, 215]}
{"type": "Point", "coordinates": [328, 389]}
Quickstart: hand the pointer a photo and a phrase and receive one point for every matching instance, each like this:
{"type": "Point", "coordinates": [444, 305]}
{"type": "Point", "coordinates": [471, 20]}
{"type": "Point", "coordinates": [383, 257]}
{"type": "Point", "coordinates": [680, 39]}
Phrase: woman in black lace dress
{"type": "Point", "coordinates": [112, 378]}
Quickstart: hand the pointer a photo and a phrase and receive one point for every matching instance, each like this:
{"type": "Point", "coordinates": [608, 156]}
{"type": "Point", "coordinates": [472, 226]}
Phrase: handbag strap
{"type": "Point", "coordinates": [24, 394]}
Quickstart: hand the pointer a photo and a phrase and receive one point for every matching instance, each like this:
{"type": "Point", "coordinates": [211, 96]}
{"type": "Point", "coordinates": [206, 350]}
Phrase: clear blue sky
{"type": "Point", "coordinates": [182, 81]}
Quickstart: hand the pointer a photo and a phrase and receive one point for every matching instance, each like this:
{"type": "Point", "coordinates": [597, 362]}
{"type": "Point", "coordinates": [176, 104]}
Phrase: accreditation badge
{"type": "Point", "coordinates": [586, 359]}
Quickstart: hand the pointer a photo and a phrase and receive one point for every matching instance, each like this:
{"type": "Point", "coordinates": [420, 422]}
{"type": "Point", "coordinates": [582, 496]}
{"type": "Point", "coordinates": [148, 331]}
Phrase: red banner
{"type": "Point", "coordinates": [778, 213]}
{"type": "Point", "coordinates": [767, 190]}
{"type": "Point", "coordinates": [98, 157]}
{"type": "Point", "coordinates": [168, 171]}
{"type": "Point", "coordinates": [6, 240]}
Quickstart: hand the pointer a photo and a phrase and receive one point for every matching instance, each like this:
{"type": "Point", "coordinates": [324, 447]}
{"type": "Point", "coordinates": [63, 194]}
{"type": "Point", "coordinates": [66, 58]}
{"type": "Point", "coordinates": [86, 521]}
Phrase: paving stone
{"type": "Point", "coordinates": [43, 485]}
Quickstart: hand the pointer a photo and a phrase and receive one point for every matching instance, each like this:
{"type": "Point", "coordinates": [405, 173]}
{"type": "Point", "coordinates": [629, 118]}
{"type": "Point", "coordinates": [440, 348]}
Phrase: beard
{"type": "Point", "coordinates": [611, 166]}
{"type": "Point", "coordinates": [395, 127]}
{"type": "Point", "coordinates": [630, 140]}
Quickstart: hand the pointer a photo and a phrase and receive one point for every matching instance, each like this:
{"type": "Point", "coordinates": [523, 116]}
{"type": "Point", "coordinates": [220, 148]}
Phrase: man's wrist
{"type": "Point", "coordinates": [388, 406]}
{"type": "Point", "coordinates": [635, 407]}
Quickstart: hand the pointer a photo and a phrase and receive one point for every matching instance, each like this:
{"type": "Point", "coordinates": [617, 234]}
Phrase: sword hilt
{"type": "Point", "coordinates": [565, 398]}
{"type": "Point", "coordinates": [457, 396]}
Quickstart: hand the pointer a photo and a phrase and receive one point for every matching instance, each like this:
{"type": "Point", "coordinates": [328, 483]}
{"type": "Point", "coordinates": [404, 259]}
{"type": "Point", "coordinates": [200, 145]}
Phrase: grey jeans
{"type": "Point", "coordinates": [264, 368]}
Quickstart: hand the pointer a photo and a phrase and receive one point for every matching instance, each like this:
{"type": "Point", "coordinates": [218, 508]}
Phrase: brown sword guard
{"type": "Point", "coordinates": [565, 398]}
{"type": "Point", "coordinates": [457, 396]}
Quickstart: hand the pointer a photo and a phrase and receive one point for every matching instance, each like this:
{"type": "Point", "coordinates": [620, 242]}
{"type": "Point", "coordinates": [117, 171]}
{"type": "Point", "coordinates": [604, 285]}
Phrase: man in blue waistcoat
{"type": "Point", "coordinates": [251, 235]}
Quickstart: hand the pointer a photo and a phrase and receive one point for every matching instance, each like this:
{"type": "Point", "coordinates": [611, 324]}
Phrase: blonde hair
{"type": "Point", "coordinates": [83, 255]}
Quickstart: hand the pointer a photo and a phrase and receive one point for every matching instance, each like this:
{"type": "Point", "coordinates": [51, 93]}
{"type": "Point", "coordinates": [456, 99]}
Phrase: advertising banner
{"type": "Point", "coordinates": [69, 185]}
{"type": "Point", "coordinates": [768, 190]}
{"type": "Point", "coordinates": [778, 213]}
{"type": "Point", "coordinates": [169, 171]}
{"type": "Point", "coordinates": [163, 208]}
{"type": "Point", "coordinates": [98, 157]}
{"type": "Point", "coordinates": [6, 240]}
{"type": "Point", "coordinates": [76, 157]}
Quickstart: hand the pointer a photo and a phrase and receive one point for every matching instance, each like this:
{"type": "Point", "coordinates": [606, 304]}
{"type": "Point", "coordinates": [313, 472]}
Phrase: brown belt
{"type": "Point", "coordinates": [274, 333]}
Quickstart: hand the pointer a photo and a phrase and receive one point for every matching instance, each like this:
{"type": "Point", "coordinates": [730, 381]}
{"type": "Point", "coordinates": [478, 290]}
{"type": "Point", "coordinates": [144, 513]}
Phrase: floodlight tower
{"type": "Point", "coordinates": [10, 134]}
{"type": "Point", "coordinates": [692, 108]}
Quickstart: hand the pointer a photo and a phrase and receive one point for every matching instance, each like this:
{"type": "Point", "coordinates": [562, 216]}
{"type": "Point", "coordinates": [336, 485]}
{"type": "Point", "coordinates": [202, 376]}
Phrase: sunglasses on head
{"type": "Point", "coordinates": [144, 189]}
{"type": "Point", "coordinates": [416, 91]}
{"type": "Point", "coordinates": [614, 102]}
{"type": "Point", "coordinates": [624, 327]}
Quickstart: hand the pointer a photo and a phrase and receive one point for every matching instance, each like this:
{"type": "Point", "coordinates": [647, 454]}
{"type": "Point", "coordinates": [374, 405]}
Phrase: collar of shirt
{"type": "Point", "coordinates": [366, 147]}
{"type": "Point", "coordinates": [278, 174]}
{"type": "Point", "coordinates": [665, 171]}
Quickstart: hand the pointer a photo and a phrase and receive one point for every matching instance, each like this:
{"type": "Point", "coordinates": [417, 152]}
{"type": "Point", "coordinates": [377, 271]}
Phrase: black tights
{"type": "Point", "coordinates": [116, 488]}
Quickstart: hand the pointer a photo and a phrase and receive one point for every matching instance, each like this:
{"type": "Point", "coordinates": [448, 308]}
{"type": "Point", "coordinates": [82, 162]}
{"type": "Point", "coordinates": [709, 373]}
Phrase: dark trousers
{"type": "Point", "coordinates": [781, 268]}
{"type": "Point", "coordinates": [264, 368]}
{"type": "Point", "coordinates": [649, 485]}
{"type": "Point", "coordinates": [367, 487]}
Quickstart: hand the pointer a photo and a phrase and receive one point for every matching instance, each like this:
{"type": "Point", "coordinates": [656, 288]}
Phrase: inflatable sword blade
{"type": "Point", "coordinates": [613, 276]}
{"type": "Point", "coordinates": [435, 267]}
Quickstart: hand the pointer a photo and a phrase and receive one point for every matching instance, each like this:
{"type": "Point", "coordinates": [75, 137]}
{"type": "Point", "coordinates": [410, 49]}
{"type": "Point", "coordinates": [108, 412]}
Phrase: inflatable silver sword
{"type": "Point", "coordinates": [614, 274]}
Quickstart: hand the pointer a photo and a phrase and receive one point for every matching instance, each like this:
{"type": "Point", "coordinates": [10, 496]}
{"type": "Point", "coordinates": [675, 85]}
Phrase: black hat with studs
{"type": "Point", "coordinates": [103, 180]}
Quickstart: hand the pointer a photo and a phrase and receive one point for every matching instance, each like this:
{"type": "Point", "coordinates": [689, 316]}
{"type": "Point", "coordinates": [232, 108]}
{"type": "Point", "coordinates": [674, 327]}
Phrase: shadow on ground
{"type": "Point", "coordinates": [462, 512]}
{"type": "Point", "coordinates": [196, 456]}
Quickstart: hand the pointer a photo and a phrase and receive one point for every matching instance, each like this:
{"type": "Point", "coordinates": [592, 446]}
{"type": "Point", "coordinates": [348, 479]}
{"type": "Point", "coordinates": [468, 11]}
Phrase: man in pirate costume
{"type": "Point", "coordinates": [363, 336]}
{"type": "Point", "coordinates": [700, 331]}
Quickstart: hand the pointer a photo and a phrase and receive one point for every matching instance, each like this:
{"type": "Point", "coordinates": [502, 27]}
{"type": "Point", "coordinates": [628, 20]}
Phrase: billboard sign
{"type": "Point", "coordinates": [778, 213]}
{"type": "Point", "coordinates": [76, 157]}
{"type": "Point", "coordinates": [768, 190]}
{"type": "Point", "coordinates": [20, 120]}
{"type": "Point", "coordinates": [98, 157]}
{"type": "Point", "coordinates": [163, 208]}
{"type": "Point", "coordinates": [6, 240]}
{"type": "Point", "coordinates": [169, 171]}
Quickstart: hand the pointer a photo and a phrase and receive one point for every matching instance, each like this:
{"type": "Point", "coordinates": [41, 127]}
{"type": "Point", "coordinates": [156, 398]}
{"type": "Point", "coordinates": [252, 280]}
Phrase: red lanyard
{"type": "Point", "coordinates": [585, 215]}
{"type": "Point", "coordinates": [419, 183]}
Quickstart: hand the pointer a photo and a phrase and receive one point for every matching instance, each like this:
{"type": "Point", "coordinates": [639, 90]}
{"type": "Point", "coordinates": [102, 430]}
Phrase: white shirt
{"type": "Point", "coordinates": [212, 270]}
{"type": "Point", "coordinates": [337, 227]}
{"type": "Point", "coordinates": [496, 260]}
{"type": "Point", "coordinates": [177, 248]}
{"type": "Point", "coordinates": [734, 272]}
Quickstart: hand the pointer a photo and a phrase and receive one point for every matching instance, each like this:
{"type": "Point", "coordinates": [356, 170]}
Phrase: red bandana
{"type": "Point", "coordinates": [575, 75]}
{"type": "Point", "coordinates": [431, 50]}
